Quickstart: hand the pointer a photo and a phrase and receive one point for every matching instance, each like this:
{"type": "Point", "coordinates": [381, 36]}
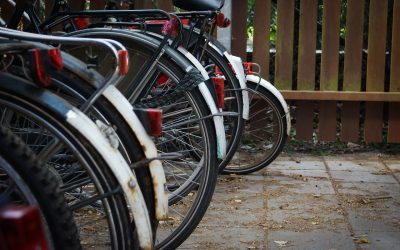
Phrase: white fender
{"type": "Point", "coordinates": [218, 120]}
{"type": "Point", "coordinates": [237, 66]}
{"type": "Point", "coordinates": [117, 99]}
{"type": "Point", "coordinates": [271, 88]}
{"type": "Point", "coordinates": [122, 172]}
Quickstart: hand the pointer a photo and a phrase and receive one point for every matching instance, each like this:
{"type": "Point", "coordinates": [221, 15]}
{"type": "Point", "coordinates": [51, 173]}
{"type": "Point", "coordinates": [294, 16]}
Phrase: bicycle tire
{"type": "Point", "coordinates": [44, 188]}
{"type": "Point", "coordinates": [267, 153]}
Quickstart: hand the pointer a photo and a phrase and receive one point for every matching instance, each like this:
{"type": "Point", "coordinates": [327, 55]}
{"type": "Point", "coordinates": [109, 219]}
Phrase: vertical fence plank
{"type": "Point", "coordinates": [262, 19]}
{"type": "Point", "coordinates": [329, 68]}
{"type": "Point", "coordinates": [352, 68]}
{"type": "Point", "coordinates": [239, 29]}
{"type": "Point", "coordinates": [143, 4]}
{"type": "Point", "coordinates": [306, 67]}
{"type": "Point", "coordinates": [284, 44]}
{"type": "Point", "coordinates": [165, 5]}
{"type": "Point", "coordinates": [394, 113]}
{"type": "Point", "coordinates": [376, 68]}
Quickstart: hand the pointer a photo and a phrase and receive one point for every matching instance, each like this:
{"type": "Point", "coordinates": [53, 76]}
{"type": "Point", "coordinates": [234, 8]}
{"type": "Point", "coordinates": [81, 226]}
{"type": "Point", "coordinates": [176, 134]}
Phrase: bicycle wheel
{"type": "Point", "coordinates": [191, 178]}
{"type": "Point", "coordinates": [234, 125]}
{"type": "Point", "coordinates": [92, 191]}
{"type": "Point", "coordinates": [76, 90]}
{"type": "Point", "coordinates": [25, 180]}
{"type": "Point", "coordinates": [265, 133]}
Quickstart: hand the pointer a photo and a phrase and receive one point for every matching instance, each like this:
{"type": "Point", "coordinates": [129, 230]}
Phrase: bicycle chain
{"type": "Point", "coordinates": [190, 81]}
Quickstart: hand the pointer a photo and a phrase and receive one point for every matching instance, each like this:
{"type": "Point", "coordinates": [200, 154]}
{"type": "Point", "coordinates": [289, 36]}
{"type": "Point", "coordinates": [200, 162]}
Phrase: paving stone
{"type": "Point", "coordinates": [394, 165]}
{"type": "Point", "coordinates": [375, 220]}
{"type": "Point", "coordinates": [301, 173]}
{"type": "Point", "coordinates": [369, 189]}
{"type": "Point", "coordinates": [300, 165]}
{"type": "Point", "coordinates": [357, 157]}
{"type": "Point", "coordinates": [300, 220]}
{"type": "Point", "coordinates": [361, 176]}
{"type": "Point", "coordinates": [275, 184]}
{"type": "Point", "coordinates": [310, 240]}
{"type": "Point", "coordinates": [379, 240]}
{"type": "Point", "coordinates": [241, 200]}
{"type": "Point", "coordinates": [303, 201]}
{"type": "Point", "coordinates": [355, 166]}
{"type": "Point", "coordinates": [225, 238]}
{"type": "Point", "coordinates": [230, 216]}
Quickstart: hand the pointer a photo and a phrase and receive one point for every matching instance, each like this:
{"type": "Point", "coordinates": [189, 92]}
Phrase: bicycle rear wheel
{"type": "Point", "coordinates": [25, 180]}
{"type": "Point", "coordinates": [91, 189]}
{"type": "Point", "coordinates": [265, 133]}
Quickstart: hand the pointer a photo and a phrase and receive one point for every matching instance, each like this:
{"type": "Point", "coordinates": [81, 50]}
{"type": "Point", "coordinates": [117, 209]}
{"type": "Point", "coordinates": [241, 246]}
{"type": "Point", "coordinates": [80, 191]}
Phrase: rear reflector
{"type": "Point", "coordinates": [219, 89]}
{"type": "Point", "coordinates": [248, 68]}
{"type": "Point", "coordinates": [39, 70]}
{"type": "Point", "coordinates": [81, 22]}
{"type": "Point", "coordinates": [151, 120]}
{"type": "Point", "coordinates": [222, 22]}
{"type": "Point", "coordinates": [21, 228]}
{"type": "Point", "coordinates": [55, 58]}
{"type": "Point", "coordinates": [123, 57]}
{"type": "Point", "coordinates": [155, 118]}
{"type": "Point", "coordinates": [170, 28]}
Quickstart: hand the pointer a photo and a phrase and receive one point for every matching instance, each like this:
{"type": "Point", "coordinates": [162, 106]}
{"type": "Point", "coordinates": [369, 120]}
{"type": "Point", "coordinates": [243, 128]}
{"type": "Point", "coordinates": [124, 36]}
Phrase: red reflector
{"type": "Point", "coordinates": [55, 58]}
{"type": "Point", "coordinates": [155, 21]}
{"type": "Point", "coordinates": [81, 22]}
{"type": "Point", "coordinates": [217, 71]}
{"type": "Point", "coordinates": [40, 74]}
{"type": "Point", "coordinates": [248, 68]}
{"type": "Point", "coordinates": [123, 57]}
{"type": "Point", "coordinates": [155, 118]}
{"type": "Point", "coordinates": [219, 89]}
{"type": "Point", "coordinates": [222, 22]}
{"type": "Point", "coordinates": [21, 228]}
{"type": "Point", "coordinates": [185, 21]}
{"type": "Point", "coordinates": [162, 80]}
{"type": "Point", "coordinates": [170, 28]}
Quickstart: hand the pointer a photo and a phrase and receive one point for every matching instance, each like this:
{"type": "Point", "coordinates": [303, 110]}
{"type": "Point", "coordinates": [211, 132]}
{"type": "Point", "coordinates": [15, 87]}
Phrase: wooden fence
{"type": "Point", "coordinates": [343, 86]}
{"type": "Point", "coordinates": [336, 93]}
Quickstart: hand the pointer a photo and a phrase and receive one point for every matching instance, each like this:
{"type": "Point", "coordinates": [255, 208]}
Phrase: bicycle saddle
{"type": "Point", "coordinates": [199, 5]}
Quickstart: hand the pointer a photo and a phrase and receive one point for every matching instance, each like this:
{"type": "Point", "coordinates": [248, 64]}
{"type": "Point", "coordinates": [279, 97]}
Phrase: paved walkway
{"type": "Point", "coordinates": [306, 202]}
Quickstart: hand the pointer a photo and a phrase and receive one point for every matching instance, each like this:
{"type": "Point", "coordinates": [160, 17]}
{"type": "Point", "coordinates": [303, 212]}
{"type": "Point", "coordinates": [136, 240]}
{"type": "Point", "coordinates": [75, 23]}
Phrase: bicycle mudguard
{"type": "Point", "coordinates": [271, 88]}
{"type": "Point", "coordinates": [236, 63]}
{"type": "Point", "coordinates": [119, 102]}
{"type": "Point", "coordinates": [115, 97]}
{"type": "Point", "coordinates": [181, 61]}
{"type": "Point", "coordinates": [238, 69]}
{"type": "Point", "coordinates": [91, 132]}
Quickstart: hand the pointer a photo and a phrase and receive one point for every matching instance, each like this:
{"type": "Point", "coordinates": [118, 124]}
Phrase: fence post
{"type": "Point", "coordinates": [376, 68]}
{"type": "Point", "coordinates": [284, 45]}
{"type": "Point", "coordinates": [394, 113]}
{"type": "Point", "coordinates": [329, 68]}
{"type": "Point", "coordinates": [352, 68]}
{"type": "Point", "coordinates": [239, 29]}
{"type": "Point", "coordinates": [306, 67]}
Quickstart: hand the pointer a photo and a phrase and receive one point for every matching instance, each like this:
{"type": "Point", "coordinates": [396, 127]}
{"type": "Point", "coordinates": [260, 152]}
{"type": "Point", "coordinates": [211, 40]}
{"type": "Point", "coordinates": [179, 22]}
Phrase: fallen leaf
{"type": "Point", "coordinates": [238, 201]}
{"type": "Point", "coordinates": [363, 241]}
{"type": "Point", "coordinates": [315, 222]}
{"type": "Point", "coordinates": [281, 243]}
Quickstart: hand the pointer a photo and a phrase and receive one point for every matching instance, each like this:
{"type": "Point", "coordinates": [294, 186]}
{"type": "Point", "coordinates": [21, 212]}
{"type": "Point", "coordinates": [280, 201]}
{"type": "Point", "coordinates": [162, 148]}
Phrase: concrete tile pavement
{"type": "Point", "coordinates": [307, 202]}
